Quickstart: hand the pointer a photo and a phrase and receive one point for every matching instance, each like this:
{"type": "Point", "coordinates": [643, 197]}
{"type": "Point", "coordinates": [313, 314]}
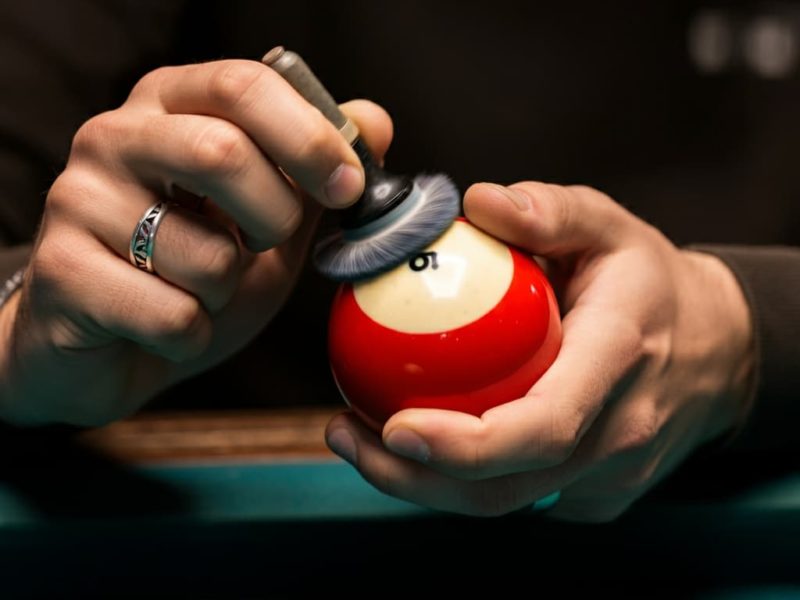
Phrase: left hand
{"type": "Point", "coordinates": [656, 361]}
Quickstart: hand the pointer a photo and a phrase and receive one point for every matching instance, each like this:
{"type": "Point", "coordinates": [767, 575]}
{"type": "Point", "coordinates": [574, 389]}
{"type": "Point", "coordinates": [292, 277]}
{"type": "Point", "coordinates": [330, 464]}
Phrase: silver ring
{"type": "Point", "coordinates": [143, 238]}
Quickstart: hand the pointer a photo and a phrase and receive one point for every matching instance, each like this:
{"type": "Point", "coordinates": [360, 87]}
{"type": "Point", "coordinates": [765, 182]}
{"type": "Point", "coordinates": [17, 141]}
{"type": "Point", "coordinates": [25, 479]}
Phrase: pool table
{"type": "Point", "coordinates": [251, 503]}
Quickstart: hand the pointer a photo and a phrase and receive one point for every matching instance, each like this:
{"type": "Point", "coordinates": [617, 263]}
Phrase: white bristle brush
{"type": "Point", "coordinates": [396, 216]}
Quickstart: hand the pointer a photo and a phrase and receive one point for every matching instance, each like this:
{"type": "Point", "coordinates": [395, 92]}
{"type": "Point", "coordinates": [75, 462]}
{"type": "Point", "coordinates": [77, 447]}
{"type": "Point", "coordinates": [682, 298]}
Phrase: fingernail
{"type": "Point", "coordinates": [344, 186]}
{"type": "Point", "coordinates": [520, 200]}
{"type": "Point", "coordinates": [342, 443]}
{"type": "Point", "coordinates": [407, 443]}
{"type": "Point", "coordinates": [546, 503]}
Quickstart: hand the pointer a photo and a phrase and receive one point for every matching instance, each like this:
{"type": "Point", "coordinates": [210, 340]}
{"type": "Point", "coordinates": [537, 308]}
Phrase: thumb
{"type": "Point", "coordinates": [548, 220]}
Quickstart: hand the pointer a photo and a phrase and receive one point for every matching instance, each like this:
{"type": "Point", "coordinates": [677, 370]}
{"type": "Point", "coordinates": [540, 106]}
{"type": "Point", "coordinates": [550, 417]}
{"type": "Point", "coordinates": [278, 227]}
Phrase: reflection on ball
{"type": "Point", "coordinates": [467, 324]}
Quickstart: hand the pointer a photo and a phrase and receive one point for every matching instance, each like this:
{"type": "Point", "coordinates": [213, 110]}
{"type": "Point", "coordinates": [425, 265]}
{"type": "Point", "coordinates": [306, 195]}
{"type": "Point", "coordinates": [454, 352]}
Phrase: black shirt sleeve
{"type": "Point", "coordinates": [770, 280]}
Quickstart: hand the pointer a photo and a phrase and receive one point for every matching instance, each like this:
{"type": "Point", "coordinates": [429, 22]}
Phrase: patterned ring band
{"type": "Point", "coordinates": [143, 238]}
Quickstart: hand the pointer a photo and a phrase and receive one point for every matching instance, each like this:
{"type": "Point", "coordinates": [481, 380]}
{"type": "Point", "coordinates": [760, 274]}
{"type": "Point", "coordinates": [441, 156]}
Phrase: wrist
{"type": "Point", "coordinates": [728, 324]}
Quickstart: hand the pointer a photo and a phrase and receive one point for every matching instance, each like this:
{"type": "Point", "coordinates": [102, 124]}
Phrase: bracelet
{"type": "Point", "coordinates": [11, 285]}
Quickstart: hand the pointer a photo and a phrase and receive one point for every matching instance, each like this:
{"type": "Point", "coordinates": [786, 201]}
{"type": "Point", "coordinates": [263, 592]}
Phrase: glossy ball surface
{"type": "Point", "coordinates": [465, 325]}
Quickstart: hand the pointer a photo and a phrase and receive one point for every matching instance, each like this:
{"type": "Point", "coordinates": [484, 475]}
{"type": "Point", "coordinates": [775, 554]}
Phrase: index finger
{"type": "Point", "coordinates": [289, 130]}
{"type": "Point", "coordinates": [539, 430]}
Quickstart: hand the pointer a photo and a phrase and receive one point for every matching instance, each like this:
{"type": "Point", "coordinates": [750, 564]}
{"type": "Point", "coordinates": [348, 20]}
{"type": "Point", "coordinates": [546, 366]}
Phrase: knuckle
{"type": "Point", "coordinates": [562, 441]}
{"type": "Point", "coordinates": [641, 429]}
{"type": "Point", "coordinates": [316, 142]}
{"type": "Point", "coordinates": [151, 81]}
{"type": "Point", "coordinates": [233, 81]}
{"type": "Point", "coordinates": [221, 149]}
{"type": "Point", "coordinates": [563, 207]}
{"type": "Point", "coordinates": [70, 191]}
{"type": "Point", "coordinates": [291, 224]}
{"type": "Point", "coordinates": [98, 133]}
{"type": "Point", "coordinates": [66, 189]}
{"type": "Point", "coordinates": [56, 258]}
{"type": "Point", "coordinates": [178, 330]}
{"type": "Point", "coordinates": [279, 231]}
{"type": "Point", "coordinates": [61, 193]}
{"type": "Point", "coordinates": [553, 201]}
{"type": "Point", "coordinates": [633, 337]}
{"type": "Point", "coordinates": [593, 198]}
{"type": "Point", "coordinates": [590, 193]}
{"type": "Point", "coordinates": [630, 342]}
{"type": "Point", "coordinates": [181, 320]}
{"type": "Point", "coordinates": [220, 258]}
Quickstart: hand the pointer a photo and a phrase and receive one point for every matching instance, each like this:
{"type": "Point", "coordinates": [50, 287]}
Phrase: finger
{"type": "Point", "coordinates": [634, 449]}
{"type": "Point", "coordinates": [547, 220]}
{"type": "Point", "coordinates": [191, 251]}
{"type": "Point", "coordinates": [127, 303]}
{"type": "Point", "coordinates": [414, 482]}
{"type": "Point", "coordinates": [616, 455]}
{"type": "Point", "coordinates": [286, 127]}
{"type": "Point", "coordinates": [198, 255]}
{"type": "Point", "coordinates": [588, 502]}
{"type": "Point", "coordinates": [211, 157]}
{"type": "Point", "coordinates": [630, 452]}
{"type": "Point", "coordinates": [374, 124]}
{"type": "Point", "coordinates": [539, 430]}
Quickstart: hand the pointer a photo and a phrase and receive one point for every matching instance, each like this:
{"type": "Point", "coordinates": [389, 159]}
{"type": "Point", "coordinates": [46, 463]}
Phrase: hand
{"type": "Point", "coordinates": [656, 360]}
{"type": "Point", "coordinates": [90, 337]}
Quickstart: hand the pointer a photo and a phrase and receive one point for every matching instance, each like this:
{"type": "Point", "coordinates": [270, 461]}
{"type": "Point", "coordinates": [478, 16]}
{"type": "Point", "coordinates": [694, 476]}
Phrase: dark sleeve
{"type": "Point", "coordinates": [60, 63]}
{"type": "Point", "coordinates": [770, 279]}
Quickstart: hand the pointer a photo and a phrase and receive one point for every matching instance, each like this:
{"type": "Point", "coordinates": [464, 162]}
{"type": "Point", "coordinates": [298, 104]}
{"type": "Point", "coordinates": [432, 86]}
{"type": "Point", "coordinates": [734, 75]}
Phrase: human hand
{"type": "Point", "coordinates": [656, 360]}
{"type": "Point", "coordinates": [91, 337]}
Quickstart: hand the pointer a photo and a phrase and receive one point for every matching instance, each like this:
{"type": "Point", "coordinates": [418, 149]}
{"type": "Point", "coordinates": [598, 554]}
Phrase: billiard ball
{"type": "Point", "coordinates": [466, 324]}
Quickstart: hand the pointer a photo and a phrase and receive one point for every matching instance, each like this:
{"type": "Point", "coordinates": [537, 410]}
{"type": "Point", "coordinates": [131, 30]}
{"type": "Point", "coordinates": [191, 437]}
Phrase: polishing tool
{"type": "Point", "coordinates": [395, 218]}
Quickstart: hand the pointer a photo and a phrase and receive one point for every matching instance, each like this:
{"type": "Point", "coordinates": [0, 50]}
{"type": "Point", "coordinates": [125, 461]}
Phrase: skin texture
{"type": "Point", "coordinates": [249, 163]}
{"type": "Point", "coordinates": [657, 359]}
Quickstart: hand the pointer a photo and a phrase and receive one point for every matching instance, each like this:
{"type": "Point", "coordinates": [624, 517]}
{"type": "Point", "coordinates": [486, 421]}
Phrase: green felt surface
{"type": "Point", "coordinates": [301, 490]}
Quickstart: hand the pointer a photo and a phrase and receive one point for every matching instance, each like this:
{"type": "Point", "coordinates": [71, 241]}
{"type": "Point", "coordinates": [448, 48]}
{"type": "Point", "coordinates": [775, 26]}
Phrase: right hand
{"type": "Point", "coordinates": [90, 338]}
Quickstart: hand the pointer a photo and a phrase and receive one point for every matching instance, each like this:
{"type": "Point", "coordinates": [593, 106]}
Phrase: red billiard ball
{"type": "Point", "coordinates": [467, 324]}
